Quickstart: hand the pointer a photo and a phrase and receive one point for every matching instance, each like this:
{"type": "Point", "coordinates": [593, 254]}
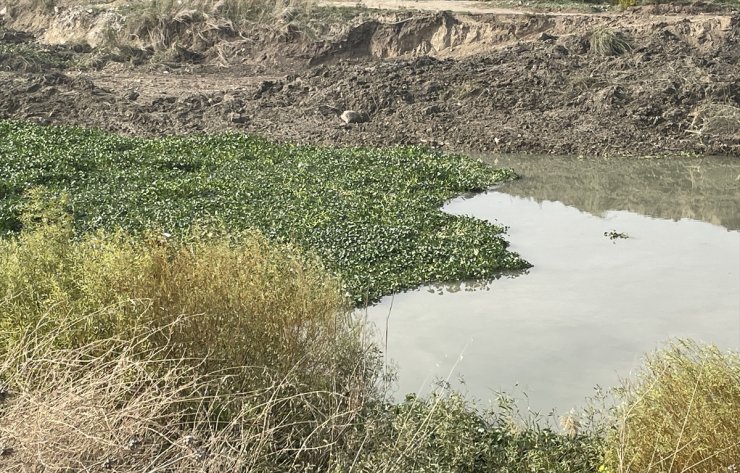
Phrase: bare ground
{"type": "Point", "coordinates": [498, 82]}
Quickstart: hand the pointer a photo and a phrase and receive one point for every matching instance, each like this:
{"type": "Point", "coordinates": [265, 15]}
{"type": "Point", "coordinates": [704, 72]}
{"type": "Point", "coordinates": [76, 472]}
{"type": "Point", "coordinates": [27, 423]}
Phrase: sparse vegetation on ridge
{"type": "Point", "coordinates": [167, 26]}
{"type": "Point", "coordinates": [165, 31]}
{"type": "Point", "coordinates": [234, 10]}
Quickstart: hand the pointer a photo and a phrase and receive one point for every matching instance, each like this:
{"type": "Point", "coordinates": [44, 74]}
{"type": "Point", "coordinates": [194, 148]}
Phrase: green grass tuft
{"type": "Point", "coordinates": [607, 42]}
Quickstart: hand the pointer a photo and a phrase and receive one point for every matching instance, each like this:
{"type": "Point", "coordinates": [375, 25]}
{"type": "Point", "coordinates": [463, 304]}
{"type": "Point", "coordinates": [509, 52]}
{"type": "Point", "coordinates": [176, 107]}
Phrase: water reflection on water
{"type": "Point", "coordinates": [591, 306]}
{"type": "Point", "coordinates": [706, 189]}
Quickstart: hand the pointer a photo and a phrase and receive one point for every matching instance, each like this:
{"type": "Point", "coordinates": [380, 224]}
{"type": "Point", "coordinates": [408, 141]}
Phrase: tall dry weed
{"type": "Point", "coordinates": [164, 354]}
{"type": "Point", "coordinates": [237, 301]}
{"type": "Point", "coordinates": [681, 414]}
{"type": "Point", "coordinates": [117, 405]}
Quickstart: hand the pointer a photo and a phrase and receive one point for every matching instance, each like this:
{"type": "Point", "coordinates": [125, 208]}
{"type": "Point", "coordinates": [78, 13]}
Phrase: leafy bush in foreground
{"type": "Point", "coordinates": [370, 215]}
{"type": "Point", "coordinates": [149, 354]}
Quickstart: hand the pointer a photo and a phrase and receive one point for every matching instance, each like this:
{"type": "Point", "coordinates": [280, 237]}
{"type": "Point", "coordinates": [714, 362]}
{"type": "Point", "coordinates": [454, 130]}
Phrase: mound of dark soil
{"type": "Point", "coordinates": [516, 83]}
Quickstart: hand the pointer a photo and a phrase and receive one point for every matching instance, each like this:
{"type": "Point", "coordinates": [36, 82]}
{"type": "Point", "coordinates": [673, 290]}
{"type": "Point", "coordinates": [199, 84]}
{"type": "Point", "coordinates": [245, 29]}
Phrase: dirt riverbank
{"type": "Point", "coordinates": [651, 80]}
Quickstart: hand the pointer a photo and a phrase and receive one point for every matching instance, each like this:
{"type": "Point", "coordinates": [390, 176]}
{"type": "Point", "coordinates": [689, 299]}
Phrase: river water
{"type": "Point", "coordinates": [591, 306]}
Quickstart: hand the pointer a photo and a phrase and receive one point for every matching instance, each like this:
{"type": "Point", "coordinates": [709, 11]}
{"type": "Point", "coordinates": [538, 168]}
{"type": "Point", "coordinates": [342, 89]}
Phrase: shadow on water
{"type": "Point", "coordinates": [592, 305]}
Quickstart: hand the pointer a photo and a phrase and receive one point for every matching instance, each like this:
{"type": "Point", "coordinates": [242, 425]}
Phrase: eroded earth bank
{"type": "Point", "coordinates": [650, 80]}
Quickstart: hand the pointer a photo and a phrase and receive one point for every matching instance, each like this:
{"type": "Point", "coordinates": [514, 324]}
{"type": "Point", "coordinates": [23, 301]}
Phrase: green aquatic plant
{"type": "Point", "coordinates": [372, 216]}
{"type": "Point", "coordinates": [446, 432]}
{"type": "Point", "coordinates": [614, 235]}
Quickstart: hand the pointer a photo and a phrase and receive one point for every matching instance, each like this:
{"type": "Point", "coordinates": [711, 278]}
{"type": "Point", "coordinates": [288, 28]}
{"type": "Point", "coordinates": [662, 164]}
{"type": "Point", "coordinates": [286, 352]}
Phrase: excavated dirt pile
{"type": "Point", "coordinates": [645, 81]}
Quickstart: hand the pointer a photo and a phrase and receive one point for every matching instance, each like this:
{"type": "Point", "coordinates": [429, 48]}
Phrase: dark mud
{"type": "Point", "coordinates": [510, 84]}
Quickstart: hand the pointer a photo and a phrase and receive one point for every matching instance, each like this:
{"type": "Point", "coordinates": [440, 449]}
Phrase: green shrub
{"type": "Point", "coordinates": [680, 414]}
{"type": "Point", "coordinates": [243, 346]}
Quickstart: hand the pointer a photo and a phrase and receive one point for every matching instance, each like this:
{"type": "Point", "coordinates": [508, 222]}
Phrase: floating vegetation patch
{"type": "Point", "coordinates": [372, 216]}
{"type": "Point", "coordinates": [615, 235]}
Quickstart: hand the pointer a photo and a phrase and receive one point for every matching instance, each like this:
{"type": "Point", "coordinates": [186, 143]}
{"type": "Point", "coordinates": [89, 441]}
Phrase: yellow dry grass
{"type": "Point", "coordinates": [681, 414]}
{"type": "Point", "coordinates": [203, 354]}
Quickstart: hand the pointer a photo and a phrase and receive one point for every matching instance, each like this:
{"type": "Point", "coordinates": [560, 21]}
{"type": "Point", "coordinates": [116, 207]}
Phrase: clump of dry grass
{"type": "Point", "coordinates": [201, 354]}
{"type": "Point", "coordinates": [681, 414]}
{"type": "Point", "coordinates": [239, 301]}
{"type": "Point", "coordinates": [608, 42]}
{"type": "Point", "coordinates": [120, 406]}
{"type": "Point", "coordinates": [717, 120]}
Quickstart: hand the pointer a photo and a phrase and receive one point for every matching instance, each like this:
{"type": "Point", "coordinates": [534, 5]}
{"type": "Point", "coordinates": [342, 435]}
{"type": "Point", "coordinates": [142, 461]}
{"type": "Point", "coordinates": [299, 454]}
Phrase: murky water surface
{"type": "Point", "coordinates": [591, 306]}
